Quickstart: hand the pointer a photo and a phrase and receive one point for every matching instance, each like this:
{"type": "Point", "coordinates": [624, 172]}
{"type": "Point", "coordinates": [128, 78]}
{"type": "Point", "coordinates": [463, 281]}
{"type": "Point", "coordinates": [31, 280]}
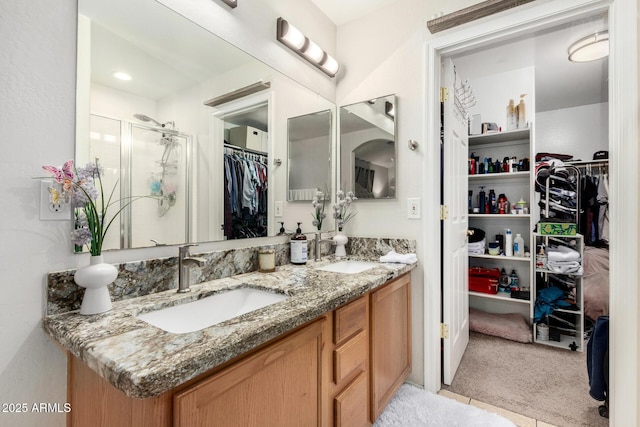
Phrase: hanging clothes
{"type": "Point", "coordinates": [594, 206]}
{"type": "Point", "coordinates": [245, 183]}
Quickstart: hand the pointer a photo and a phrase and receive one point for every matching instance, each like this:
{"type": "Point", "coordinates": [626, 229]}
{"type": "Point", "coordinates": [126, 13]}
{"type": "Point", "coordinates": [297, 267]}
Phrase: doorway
{"type": "Point", "coordinates": [623, 71]}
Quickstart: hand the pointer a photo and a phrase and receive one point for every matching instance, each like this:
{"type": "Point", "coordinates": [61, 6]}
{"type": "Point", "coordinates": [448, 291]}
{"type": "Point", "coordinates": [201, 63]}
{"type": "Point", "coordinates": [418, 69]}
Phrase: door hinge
{"type": "Point", "coordinates": [444, 94]}
{"type": "Point", "coordinates": [444, 331]}
{"type": "Point", "coordinates": [444, 212]}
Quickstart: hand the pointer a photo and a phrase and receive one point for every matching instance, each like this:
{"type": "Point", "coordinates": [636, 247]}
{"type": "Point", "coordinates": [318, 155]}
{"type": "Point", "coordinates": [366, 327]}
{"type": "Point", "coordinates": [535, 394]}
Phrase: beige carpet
{"type": "Point", "coordinates": [537, 381]}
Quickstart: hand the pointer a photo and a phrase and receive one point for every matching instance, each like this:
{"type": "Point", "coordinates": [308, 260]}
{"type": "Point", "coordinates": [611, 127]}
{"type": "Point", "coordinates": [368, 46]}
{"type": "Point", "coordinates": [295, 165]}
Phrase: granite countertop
{"type": "Point", "coordinates": [144, 361]}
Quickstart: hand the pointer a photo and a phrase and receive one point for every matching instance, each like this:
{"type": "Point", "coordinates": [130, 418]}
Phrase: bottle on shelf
{"type": "Point", "coordinates": [514, 282]}
{"type": "Point", "coordinates": [504, 282]}
{"type": "Point", "coordinates": [512, 118]}
{"type": "Point", "coordinates": [521, 206]}
{"type": "Point", "coordinates": [298, 247]}
{"type": "Point", "coordinates": [502, 204]}
{"type": "Point", "coordinates": [508, 243]}
{"type": "Point", "coordinates": [493, 203]}
{"type": "Point", "coordinates": [522, 113]}
{"type": "Point", "coordinates": [482, 200]}
{"type": "Point", "coordinates": [518, 246]}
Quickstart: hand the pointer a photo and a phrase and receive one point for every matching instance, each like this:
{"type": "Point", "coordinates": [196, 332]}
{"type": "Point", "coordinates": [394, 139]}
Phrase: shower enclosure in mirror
{"type": "Point", "coordinates": [368, 148]}
{"type": "Point", "coordinates": [142, 160]}
{"type": "Point", "coordinates": [165, 140]}
{"type": "Point", "coordinates": [309, 139]}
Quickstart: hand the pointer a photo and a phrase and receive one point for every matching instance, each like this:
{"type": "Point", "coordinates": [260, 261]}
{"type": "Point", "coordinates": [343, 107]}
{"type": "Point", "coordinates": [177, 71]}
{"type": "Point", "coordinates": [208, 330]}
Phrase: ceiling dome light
{"type": "Point", "coordinates": [590, 48]}
{"type": "Point", "coordinates": [122, 76]}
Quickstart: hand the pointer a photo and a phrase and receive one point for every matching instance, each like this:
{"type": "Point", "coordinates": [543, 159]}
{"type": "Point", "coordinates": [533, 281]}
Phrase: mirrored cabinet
{"type": "Point", "coordinates": [368, 148]}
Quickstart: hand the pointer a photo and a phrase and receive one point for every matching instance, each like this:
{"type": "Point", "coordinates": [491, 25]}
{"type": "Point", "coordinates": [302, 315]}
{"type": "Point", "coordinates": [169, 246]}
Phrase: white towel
{"type": "Point", "coordinates": [565, 267]}
{"type": "Point", "coordinates": [393, 256]}
{"type": "Point", "coordinates": [562, 253]}
{"type": "Point", "coordinates": [477, 248]}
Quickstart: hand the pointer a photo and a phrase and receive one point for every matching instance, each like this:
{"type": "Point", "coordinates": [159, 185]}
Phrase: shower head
{"type": "Point", "coordinates": [145, 118]}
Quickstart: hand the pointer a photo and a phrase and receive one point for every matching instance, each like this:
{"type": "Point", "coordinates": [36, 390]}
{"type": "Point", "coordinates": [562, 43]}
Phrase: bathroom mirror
{"type": "Point", "coordinates": [156, 105]}
{"type": "Point", "coordinates": [368, 148]}
{"type": "Point", "coordinates": [309, 138]}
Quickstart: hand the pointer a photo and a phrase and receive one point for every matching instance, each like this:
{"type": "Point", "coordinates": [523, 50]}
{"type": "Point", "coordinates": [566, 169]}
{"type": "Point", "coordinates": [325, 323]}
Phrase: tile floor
{"type": "Point", "coordinates": [517, 419]}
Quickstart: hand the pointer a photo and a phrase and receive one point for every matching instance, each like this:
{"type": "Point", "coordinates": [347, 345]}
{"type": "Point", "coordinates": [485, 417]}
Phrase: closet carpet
{"type": "Point", "coordinates": [541, 382]}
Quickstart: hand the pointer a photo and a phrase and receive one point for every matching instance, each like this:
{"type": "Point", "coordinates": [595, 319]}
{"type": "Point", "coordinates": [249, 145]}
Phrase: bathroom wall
{"type": "Point", "coordinates": [384, 53]}
{"type": "Point", "coordinates": [580, 131]}
{"type": "Point", "coordinates": [37, 86]}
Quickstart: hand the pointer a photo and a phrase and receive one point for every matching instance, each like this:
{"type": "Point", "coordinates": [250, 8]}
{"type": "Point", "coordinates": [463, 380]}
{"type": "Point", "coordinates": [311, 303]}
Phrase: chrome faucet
{"type": "Point", "coordinates": [319, 240]}
{"type": "Point", "coordinates": [184, 263]}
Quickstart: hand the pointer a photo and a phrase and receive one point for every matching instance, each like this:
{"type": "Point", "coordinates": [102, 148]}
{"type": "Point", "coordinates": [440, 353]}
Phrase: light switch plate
{"type": "Point", "coordinates": [413, 208]}
{"type": "Point", "coordinates": [277, 207]}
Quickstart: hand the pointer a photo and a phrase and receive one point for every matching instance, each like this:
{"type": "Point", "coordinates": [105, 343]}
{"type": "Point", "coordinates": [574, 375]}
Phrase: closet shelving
{"type": "Point", "coordinates": [566, 325]}
{"type": "Point", "coordinates": [570, 333]}
{"type": "Point", "coordinates": [514, 185]}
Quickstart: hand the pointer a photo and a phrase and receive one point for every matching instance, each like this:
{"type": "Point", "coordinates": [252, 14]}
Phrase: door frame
{"type": "Point", "coordinates": [216, 147]}
{"type": "Point", "coordinates": [624, 179]}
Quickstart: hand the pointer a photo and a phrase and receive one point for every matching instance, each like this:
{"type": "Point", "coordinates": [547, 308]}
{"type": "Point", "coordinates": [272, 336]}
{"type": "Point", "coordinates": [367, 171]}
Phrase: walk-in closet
{"type": "Point", "coordinates": [538, 224]}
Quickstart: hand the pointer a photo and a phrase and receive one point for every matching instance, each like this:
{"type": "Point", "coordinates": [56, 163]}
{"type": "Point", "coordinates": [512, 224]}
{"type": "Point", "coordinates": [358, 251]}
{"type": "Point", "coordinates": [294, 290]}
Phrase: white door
{"type": "Point", "coordinates": [455, 291]}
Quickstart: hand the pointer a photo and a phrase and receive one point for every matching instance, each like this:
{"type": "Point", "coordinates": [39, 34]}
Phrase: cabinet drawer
{"type": "Point", "coordinates": [350, 356]}
{"type": "Point", "coordinates": [349, 320]}
{"type": "Point", "coordinates": [351, 405]}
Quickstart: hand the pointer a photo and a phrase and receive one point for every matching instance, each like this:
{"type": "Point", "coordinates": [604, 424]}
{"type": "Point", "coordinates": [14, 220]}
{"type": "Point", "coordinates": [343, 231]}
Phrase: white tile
{"type": "Point", "coordinates": [460, 398]}
{"type": "Point", "coordinates": [517, 419]}
{"type": "Point", "coordinates": [543, 424]}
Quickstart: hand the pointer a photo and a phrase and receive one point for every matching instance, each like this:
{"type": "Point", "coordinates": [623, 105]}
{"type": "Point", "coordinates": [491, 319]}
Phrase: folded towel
{"type": "Point", "coordinates": [477, 248]}
{"type": "Point", "coordinates": [565, 267]}
{"type": "Point", "coordinates": [393, 256]}
{"type": "Point", "coordinates": [562, 253]}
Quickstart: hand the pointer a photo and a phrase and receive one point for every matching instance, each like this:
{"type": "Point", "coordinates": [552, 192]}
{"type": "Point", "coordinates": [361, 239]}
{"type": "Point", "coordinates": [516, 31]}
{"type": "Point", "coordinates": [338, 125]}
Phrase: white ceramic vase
{"type": "Point", "coordinates": [340, 240]}
{"type": "Point", "coordinates": [95, 278]}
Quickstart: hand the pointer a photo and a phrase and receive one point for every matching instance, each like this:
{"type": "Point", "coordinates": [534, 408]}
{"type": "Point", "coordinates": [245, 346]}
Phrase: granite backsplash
{"type": "Point", "coordinates": [137, 278]}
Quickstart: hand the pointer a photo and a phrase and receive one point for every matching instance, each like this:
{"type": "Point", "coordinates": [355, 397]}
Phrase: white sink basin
{"type": "Point", "coordinates": [200, 314]}
{"type": "Point", "coordinates": [349, 267]}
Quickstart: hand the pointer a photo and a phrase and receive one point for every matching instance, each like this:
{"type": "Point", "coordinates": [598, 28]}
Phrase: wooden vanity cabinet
{"type": "Point", "coordinates": [341, 369]}
{"type": "Point", "coordinates": [390, 341]}
{"type": "Point", "coordinates": [279, 386]}
{"type": "Point", "coordinates": [350, 383]}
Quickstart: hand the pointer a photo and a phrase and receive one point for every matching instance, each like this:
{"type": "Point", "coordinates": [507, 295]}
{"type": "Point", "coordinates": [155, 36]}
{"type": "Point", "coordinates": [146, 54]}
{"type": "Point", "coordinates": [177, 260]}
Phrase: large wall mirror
{"type": "Point", "coordinates": [368, 148]}
{"type": "Point", "coordinates": [156, 105]}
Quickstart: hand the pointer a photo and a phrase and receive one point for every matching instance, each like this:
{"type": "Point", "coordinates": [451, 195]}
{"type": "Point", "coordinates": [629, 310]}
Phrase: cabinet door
{"type": "Point", "coordinates": [278, 386]}
{"type": "Point", "coordinates": [349, 408]}
{"type": "Point", "coordinates": [390, 341]}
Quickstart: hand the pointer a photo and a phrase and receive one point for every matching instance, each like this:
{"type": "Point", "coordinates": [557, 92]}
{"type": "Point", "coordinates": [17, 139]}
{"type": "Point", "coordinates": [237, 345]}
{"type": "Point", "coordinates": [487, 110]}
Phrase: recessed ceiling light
{"type": "Point", "coordinates": [122, 76]}
{"type": "Point", "coordinates": [590, 48]}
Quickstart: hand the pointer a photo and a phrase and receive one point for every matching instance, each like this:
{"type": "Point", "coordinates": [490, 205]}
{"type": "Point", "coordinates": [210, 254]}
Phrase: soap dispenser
{"type": "Point", "coordinates": [298, 247]}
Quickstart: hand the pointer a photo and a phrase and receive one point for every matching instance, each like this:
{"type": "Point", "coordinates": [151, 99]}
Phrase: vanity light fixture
{"type": "Point", "coordinates": [291, 37]}
{"type": "Point", "coordinates": [231, 3]}
{"type": "Point", "coordinates": [590, 48]}
{"type": "Point", "coordinates": [120, 75]}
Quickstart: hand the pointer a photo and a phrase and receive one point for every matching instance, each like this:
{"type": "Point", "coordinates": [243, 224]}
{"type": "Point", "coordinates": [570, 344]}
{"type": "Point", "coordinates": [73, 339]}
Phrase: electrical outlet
{"type": "Point", "coordinates": [50, 210]}
{"type": "Point", "coordinates": [413, 208]}
{"type": "Point", "coordinates": [277, 208]}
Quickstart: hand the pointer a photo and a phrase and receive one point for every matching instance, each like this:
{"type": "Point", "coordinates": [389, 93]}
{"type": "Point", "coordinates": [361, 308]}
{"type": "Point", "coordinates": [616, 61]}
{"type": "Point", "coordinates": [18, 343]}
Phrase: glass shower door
{"type": "Point", "coordinates": [158, 167]}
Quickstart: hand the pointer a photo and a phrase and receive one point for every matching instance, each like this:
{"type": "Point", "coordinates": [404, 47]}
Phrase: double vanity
{"type": "Point", "coordinates": [326, 344]}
